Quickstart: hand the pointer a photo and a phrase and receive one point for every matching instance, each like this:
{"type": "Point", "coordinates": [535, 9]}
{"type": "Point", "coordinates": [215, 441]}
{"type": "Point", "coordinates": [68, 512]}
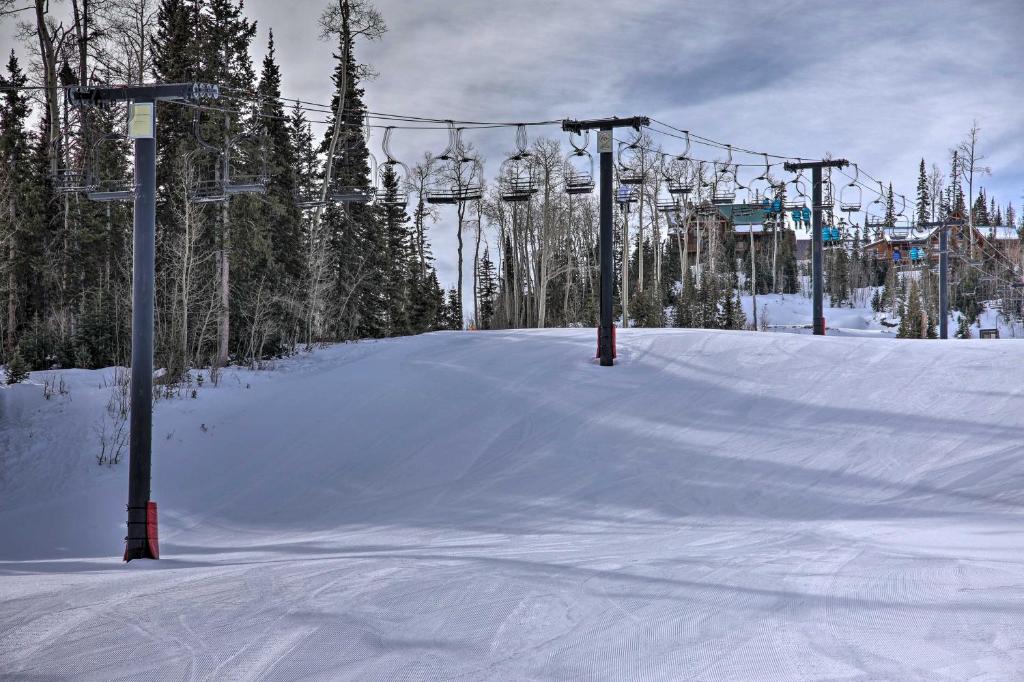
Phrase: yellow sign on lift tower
{"type": "Point", "coordinates": [141, 120]}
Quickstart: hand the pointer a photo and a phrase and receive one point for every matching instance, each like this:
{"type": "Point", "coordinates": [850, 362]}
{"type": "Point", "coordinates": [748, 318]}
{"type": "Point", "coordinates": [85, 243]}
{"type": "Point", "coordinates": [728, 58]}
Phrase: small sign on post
{"type": "Point", "coordinates": [604, 141]}
{"type": "Point", "coordinates": [142, 120]}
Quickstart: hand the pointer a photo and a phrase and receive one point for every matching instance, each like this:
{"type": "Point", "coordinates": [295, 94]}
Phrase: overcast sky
{"type": "Point", "coordinates": [882, 83]}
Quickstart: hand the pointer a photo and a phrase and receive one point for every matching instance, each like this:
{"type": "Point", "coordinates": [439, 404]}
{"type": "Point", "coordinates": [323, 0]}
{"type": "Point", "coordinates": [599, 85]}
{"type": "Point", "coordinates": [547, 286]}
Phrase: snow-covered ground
{"type": "Point", "coordinates": [494, 505]}
{"type": "Point", "coordinates": [792, 313]}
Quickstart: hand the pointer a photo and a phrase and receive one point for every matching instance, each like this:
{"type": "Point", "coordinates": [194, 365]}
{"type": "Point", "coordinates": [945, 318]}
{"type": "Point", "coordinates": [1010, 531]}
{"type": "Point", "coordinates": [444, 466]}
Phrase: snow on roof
{"type": "Point", "coordinates": [999, 232]}
{"type": "Point", "coordinates": [906, 233]}
{"type": "Point", "coordinates": [747, 229]}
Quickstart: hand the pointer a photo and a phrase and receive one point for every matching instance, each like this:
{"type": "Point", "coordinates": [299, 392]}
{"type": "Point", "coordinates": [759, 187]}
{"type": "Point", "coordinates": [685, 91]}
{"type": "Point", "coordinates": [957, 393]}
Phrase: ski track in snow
{"type": "Point", "coordinates": [494, 505]}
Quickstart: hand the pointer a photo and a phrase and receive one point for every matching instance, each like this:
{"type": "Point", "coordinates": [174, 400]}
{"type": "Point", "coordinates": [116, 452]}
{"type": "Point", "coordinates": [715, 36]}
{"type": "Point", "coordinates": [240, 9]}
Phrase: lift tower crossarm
{"type": "Point", "coordinates": [88, 95]}
{"type": "Point", "coordinates": [573, 126]}
{"type": "Point", "coordinates": [605, 337]}
{"type": "Point", "coordinates": [817, 254]}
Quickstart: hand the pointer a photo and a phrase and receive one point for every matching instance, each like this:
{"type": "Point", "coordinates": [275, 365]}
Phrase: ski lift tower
{"type": "Point", "coordinates": [817, 254]}
{"type": "Point", "coordinates": [605, 145]}
{"type": "Point", "coordinates": [142, 539]}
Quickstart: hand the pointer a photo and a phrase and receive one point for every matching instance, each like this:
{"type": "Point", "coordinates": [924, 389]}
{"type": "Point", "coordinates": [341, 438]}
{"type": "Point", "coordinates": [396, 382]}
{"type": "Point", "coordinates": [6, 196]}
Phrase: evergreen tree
{"type": "Point", "coordinates": [645, 307]}
{"type": "Point", "coordinates": [20, 199]}
{"type": "Point", "coordinates": [353, 231]}
{"type": "Point", "coordinates": [17, 369]}
{"type": "Point", "coordinates": [731, 308]}
{"type": "Point", "coordinates": [279, 212]}
{"type": "Point", "coordinates": [487, 291]}
{"type": "Point", "coordinates": [963, 328]}
{"type": "Point", "coordinates": [454, 319]}
{"type": "Point", "coordinates": [890, 207]}
{"type": "Point", "coordinates": [685, 312]}
{"type": "Point", "coordinates": [923, 198]}
{"type": "Point", "coordinates": [980, 210]}
{"type": "Point", "coordinates": [426, 304]}
{"type": "Point", "coordinates": [706, 310]}
{"type": "Point", "coordinates": [957, 204]}
{"type": "Point", "coordinates": [397, 263]}
{"type": "Point", "coordinates": [913, 323]}
{"type": "Point", "coordinates": [837, 285]}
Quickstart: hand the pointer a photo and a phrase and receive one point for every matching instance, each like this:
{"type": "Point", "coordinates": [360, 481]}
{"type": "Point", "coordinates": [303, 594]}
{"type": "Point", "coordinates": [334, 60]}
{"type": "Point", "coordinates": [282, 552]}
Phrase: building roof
{"type": "Point", "coordinates": [743, 214]}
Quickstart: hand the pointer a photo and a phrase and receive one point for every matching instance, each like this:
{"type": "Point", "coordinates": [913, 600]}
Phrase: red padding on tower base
{"type": "Point", "coordinates": [151, 531]}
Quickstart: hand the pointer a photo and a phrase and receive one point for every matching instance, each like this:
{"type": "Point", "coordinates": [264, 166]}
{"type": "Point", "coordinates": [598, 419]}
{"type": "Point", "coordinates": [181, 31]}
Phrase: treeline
{"type": "Point", "coordinates": [238, 280]}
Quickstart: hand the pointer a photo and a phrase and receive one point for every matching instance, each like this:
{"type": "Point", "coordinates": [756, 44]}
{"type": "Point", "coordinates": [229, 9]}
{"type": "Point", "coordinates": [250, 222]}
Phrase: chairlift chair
{"type": "Point", "coordinates": [625, 195]}
{"type": "Point", "coordinates": [516, 178]}
{"type": "Point", "coordinates": [724, 189]}
{"type": "Point", "coordinates": [399, 170]}
{"type": "Point", "coordinates": [761, 192]}
{"type": "Point", "coordinates": [799, 200]}
{"type": "Point", "coordinates": [460, 192]}
{"type": "Point", "coordinates": [631, 161]}
{"type": "Point", "coordinates": [109, 189]}
{"type": "Point", "coordinates": [678, 170]}
{"type": "Point", "coordinates": [666, 201]}
{"type": "Point", "coordinates": [578, 172]}
{"type": "Point", "coordinates": [851, 195]}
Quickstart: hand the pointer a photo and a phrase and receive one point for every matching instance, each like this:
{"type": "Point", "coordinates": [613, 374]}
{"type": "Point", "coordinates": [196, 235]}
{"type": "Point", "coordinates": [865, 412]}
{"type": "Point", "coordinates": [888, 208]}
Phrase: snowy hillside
{"type": "Point", "coordinates": [494, 505]}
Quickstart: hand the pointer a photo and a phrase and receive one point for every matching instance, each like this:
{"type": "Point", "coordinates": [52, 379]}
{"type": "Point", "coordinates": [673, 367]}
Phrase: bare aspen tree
{"type": "Point", "coordinates": [971, 166]}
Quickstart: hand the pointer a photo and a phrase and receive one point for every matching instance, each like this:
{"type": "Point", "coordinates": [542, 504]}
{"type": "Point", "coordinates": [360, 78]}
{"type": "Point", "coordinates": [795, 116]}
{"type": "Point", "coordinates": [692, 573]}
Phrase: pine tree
{"type": "Point", "coordinates": [980, 210]}
{"type": "Point", "coordinates": [957, 204]}
{"type": "Point", "coordinates": [963, 328]}
{"type": "Point", "coordinates": [354, 232]}
{"type": "Point", "coordinates": [1011, 216]}
{"type": "Point", "coordinates": [912, 323]}
{"type": "Point", "coordinates": [488, 291]}
{"type": "Point", "coordinates": [837, 285]}
{"type": "Point", "coordinates": [17, 369]}
{"type": "Point", "coordinates": [706, 310]}
{"type": "Point", "coordinates": [890, 207]}
{"type": "Point", "coordinates": [279, 211]}
{"type": "Point", "coordinates": [685, 313]}
{"type": "Point", "coordinates": [923, 198]}
{"type": "Point", "coordinates": [20, 206]}
{"type": "Point", "coordinates": [453, 311]}
{"type": "Point", "coordinates": [397, 263]}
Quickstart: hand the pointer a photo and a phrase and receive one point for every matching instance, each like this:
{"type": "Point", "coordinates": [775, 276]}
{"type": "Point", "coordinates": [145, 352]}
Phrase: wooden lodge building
{"type": "Point", "coordinates": [892, 240]}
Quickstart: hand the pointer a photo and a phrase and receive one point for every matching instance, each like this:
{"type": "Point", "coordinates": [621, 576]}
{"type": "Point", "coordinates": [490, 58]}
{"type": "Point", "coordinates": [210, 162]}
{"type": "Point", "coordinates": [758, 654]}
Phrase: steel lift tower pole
{"type": "Point", "coordinates": [142, 540]}
{"type": "Point", "coordinates": [943, 227]}
{"type": "Point", "coordinates": [817, 253]}
{"type": "Point", "coordinates": [605, 128]}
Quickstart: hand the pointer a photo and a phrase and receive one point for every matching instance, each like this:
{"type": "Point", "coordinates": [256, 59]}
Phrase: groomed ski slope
{"type": "Point", "coordinates": [495, 506]}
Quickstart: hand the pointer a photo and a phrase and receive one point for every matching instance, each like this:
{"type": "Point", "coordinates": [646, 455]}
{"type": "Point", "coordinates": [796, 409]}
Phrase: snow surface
{"type": "Point", "coordinates": [494, 505]}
